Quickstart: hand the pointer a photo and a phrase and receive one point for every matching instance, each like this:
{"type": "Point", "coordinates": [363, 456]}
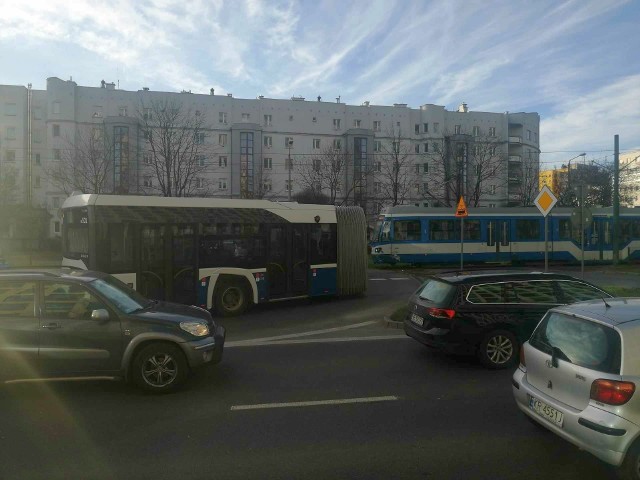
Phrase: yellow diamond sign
{"type": "Point", "coordinates": [545, 201]}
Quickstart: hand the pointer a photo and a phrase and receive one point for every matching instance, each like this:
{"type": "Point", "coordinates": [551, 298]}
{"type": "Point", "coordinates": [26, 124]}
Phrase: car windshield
{"type": "Point", "coordinates": [124, 298]}
{"type": "Point", "coordinates": [436, 292]}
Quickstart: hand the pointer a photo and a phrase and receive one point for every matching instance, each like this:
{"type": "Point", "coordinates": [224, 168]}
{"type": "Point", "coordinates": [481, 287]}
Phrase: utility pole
{"type": "Point", "coordinates": [616, 199]}
{"type": "Point", "coordinates": [289, 145]}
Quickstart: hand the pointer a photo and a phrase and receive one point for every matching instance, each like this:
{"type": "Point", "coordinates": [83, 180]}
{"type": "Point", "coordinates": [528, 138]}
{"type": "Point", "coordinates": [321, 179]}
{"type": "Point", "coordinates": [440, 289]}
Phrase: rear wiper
{"type": "Point", "coordinates": [555, 354]}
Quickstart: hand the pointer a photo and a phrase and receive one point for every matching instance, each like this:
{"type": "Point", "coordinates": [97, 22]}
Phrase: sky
{"type": "Point", "coordinates": [576, 63]}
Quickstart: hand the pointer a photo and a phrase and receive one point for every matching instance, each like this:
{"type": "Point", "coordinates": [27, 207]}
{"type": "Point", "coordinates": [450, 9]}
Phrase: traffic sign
{"type": "Point", "coordinates": [545, 201]}
{"type": "Point", "coordinates": [461, 209]}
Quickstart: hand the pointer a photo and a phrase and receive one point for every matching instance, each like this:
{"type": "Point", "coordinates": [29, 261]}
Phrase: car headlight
{"type": "Point", "coordinates": [197, 329]}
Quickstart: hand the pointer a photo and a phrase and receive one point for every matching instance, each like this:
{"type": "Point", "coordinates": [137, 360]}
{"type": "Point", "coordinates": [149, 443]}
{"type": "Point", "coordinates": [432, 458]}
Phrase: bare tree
{"type": "Point", "coordinates": [527, 178]}
{"type": "Point", "coordinates": [262, 184]}
{"type": "Point", "coordinates": [85, 162]}
{"type": "Point", "coordinates": [325, 172]}
{"type": "Point", "coordinates": [175, 149]}
{"type": "Point", "coordinates": [8, 184]}
{"type": "Point", "coordinates": [394, 168]}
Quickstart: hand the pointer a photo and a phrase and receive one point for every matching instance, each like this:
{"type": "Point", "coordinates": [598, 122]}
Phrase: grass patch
{"type": "Point", "coordinates": [399, 313]}
{"type": "Point", "coordinates": [623, 291]}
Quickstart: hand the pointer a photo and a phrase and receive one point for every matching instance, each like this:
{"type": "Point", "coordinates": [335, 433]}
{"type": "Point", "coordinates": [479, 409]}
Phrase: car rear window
{"type": "Point", "coordinates": [436, 292]}
{"type": "Point", "coordinates": [579, 341]}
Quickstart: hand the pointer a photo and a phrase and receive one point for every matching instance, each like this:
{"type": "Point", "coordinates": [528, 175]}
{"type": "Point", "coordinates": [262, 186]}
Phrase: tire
{"type": "Point", "coordinates": [159, 368]}
{"type": "Point", "coordinates": [498, 349]}
{"type": "Point", "coordinates": [630, 468]}
{"type": "Point", "coordinates": [231, 298]}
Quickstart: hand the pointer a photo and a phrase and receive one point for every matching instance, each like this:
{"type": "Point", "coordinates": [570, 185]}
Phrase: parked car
{"type": "Point", "coordinates": [578, 377]}
{"type": "Point", "coordinates": [90, 324]}
{"type": "Point", "coordinates": [490, 313]}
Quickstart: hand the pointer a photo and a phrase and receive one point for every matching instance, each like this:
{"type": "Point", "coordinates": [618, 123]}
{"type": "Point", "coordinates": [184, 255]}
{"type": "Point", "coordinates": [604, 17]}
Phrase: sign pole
{"type": "Point", "coordinates": [546, 244]}
{"type": "Point", "coordinates": [461, 243]}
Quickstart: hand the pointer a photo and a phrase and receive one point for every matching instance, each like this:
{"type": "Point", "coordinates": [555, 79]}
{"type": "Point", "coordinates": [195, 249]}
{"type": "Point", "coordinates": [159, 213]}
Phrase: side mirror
{"type": "Point", "coordinates": [100, 315]}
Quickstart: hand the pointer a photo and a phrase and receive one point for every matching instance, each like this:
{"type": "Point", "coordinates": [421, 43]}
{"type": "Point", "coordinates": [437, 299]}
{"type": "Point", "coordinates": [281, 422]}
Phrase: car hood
{"type": "Point", "coordinates": [173, 312]}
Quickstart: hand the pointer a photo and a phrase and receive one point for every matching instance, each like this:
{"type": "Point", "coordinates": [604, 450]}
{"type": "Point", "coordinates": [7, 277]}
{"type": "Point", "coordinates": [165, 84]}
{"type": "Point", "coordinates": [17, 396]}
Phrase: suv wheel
{"type": "Point", "coordinates": [231, 298]}
{"type": "Point", "coordinates": [159, 368]}
{"type": "Point", "coordinates": [498, 349]}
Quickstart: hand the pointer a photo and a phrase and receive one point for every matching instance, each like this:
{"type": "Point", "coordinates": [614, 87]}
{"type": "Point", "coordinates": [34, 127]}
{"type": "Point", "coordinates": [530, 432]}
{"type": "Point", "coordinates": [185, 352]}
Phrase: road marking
{"type": "Point", "coordinates": [306, 334]}
{"type": "Point", "coordinates": [400, 278]}
{"type": "Point", "coordinates": [315, 403]}
{"type": "Point", "coordinates": [377, 279]}
{"type": "Point", "coordinates": [392, 278]}
{"type": "Point", "coordinates": [59, 379]}
{"type": "Point", "coordinates": [257, 343]}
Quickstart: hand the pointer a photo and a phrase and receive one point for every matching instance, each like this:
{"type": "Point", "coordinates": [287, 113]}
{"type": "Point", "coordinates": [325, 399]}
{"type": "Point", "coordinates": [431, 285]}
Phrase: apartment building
{"type": "Point", "coordinates": [261, 147]}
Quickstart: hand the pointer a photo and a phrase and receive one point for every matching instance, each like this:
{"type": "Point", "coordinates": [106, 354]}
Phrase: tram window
{"type": "Point", "coordinates": [443, 230]}
{"type": "Point", "coordinates": [472, 230]}
{"type": "Point", "coordinates": [385, 234]}
{"type": "Point", "coordinates": [629, 229]}
{"type": "Point", "coordinates": [323, 243]}
{"type": "Point", "coordinates": [536, 292]}
{"type": "Point", "coordinates": [406, 230]}
{"type": "Point", "coordinates": [527, 229]}
{"type": "Point", "coordinates": [564, 229]}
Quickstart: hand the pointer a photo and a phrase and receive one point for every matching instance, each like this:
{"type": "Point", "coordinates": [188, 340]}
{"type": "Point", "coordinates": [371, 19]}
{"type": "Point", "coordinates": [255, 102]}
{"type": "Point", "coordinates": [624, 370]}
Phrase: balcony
{"type": "Point", "coordinates": [515, 139]}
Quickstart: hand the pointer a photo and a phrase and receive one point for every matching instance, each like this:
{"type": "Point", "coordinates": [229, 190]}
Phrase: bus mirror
{"type": "Point", "coordinates": [100, 315]}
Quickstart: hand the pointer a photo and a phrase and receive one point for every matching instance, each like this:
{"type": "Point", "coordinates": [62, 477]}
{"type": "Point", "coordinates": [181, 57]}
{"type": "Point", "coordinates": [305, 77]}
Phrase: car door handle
{"type": "Point", "coordinates": [51, 326]}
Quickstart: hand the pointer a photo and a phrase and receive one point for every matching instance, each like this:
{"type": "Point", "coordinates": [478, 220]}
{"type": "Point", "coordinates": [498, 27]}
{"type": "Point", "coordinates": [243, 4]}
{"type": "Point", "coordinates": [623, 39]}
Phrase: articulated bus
{"type": "Point", "coordinates": [422, 235]}
{"type": "Point", "coordinates": [221, 254]}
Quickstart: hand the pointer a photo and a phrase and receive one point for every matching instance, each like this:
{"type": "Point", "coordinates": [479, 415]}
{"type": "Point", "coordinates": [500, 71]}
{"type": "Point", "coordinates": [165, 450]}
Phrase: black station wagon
{"type": "Point", "coordinates": [90, 324]}
{"type": "Point", "coordinates": [489, 314]}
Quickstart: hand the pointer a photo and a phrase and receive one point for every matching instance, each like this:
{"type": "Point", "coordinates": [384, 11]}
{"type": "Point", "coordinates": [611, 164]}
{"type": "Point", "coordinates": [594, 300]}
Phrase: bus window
{"type": "Point", "coordinates": [406, 230]}
{"type": "Point", "coordinates": [323, 243]}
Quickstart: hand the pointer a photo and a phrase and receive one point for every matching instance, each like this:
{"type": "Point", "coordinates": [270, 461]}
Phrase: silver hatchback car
{"type": "Point", "coordinates": [578, 375]}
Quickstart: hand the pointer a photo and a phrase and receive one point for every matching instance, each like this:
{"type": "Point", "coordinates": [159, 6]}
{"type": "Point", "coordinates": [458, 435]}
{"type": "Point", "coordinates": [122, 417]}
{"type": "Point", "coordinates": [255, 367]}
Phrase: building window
{"type": "Point", "coordinates": [492, 205]}
{"type": "Point", "coordinates": [425, 128]}
{"type": "Point", "coordinates": [55, 107]}
{"type": "Point", "coordinates": [457, 129]}
{"type": "Point", "coordinates": [268, 142]}
{"type": "Point", "coordinates": [314, 120]}
{"type": "Point", "coordinates": [425, 147]}
{"type": "Point", "coordinates": [492, 189]}
{"type": "Point", "coordinates": [147, 158]}
{"type": "Point", "coordinates": [336, 124]}
{"type": "Point", "coordinates": [147, 114]}
{"type": "Point", "coordinates": [222, 184]}
{"type": "Point", "coordinates": [376, 125]}
{"type": "Point", "coordinates": [222, 161]}
{"type": "Point", "coordinates": [492, 131]}
{"type": "Point", "coordinates": [56, 227]}
{"type": "Point", "coordinates": [377, 146]}
{"type": "Point", "coordinates": [56, 130]}
{"type": "Point", "coordinates": [416, 148]}
{"type": "Point", "coordinates": [425, 189]}
{"type": "Point", "coordinates": [378, 166]}
{"type": "Point", "coordinates": [316, 164]}
{"type": "Point", "coordinates": [57, 154]}
{"type": "Point", "coordinates": [396, 147]}
{"type": "Point", "coordinates": [476, 131]}
{"type": "Point", "coordinates": [425, 168]}
{"type": "Point", "coordinates": [245, 117]}
{"type": "Point", "coordinates": [201, 160]}
{"type": "Point", "coordinates": [436, 127]}
{"type": "Point", "coordinates": [199, 182]}
{"type": "Point", "coordinates": [288, 142]}
{"type": "Point", "coordinates": [222, 139]}
{"type": "Point", "coordinates": [123, 111]}
{"type": "Point", "coordinates": [398, 124]}
{"type": "Point", "coordinates": [266, 186]}
{"type": "Point", "coordinates": [287, 185]}
{"type": "Point", "coordinates": [356, 124]}
{"type": "Point", "coordinates": [11, 133]}
{"type": "Point", "coordinates": [528, 134]}
{"type": "Point", "coordinates": [291, 118]}
{"type": "Point", "coordinates": [316, 143]}
{"type": "Point", "coordinates": [38, 162]}
{"type": "Point", "coordinates": [337, 144]}
{"type": "Point", "coordinates": [267, 120]}
{"type": "Point", "coordinates": [267, 163]}
{"type": "Point", "coordinates": [417, 168]}
{"type": "Point", "coordinates": [222, 117]}
{"type": "Point", "coordinates": [417, 128]}
{"type": "Point", "coordinates": [37, 182]}
{"type": "Point", "coordinates": [147, 182]}
{"type": "Point", "coordinates": [246, 164]}
{"type": "Point", "coordinates": [147, 134]}
{"type": "Point", "coordinates": [11, 109]}
{"type": "Point", "coordinates": [199, 138]}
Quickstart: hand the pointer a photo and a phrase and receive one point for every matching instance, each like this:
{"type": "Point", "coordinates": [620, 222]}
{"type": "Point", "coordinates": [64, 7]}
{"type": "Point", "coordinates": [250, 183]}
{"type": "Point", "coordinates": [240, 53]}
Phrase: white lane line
{"type": "Point", "coordinates": [377, 279]}
{"type": "Point", "coordinates": [341, 401]}
{"type": "Point", "coordinates": [400, 278]}
{"type": "Point", "coordinates": [314, 340]}
{"type": "Point", "coordinates": [306, 334]}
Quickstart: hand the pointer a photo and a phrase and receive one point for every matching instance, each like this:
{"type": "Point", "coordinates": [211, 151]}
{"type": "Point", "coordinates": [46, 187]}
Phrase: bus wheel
{"type": "Point", "coordinates": [231, 298]}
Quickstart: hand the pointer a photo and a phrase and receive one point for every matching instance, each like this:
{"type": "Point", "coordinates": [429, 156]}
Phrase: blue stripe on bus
{"type": "Point", "coordinates": [202, 290]}
{"type": "Point", "coordinates": [323, 281]}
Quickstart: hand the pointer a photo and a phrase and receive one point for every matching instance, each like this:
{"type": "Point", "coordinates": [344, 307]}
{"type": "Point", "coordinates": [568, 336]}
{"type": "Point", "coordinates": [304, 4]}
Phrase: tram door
{"type": "Point", "coordinates": [288, 262]}
{"type": "Point", "coordinates": [498, 239]}
{"type": "Point", "coordinates": [167, 263]}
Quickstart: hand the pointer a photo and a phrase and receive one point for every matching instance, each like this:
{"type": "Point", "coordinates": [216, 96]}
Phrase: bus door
{"type": "Point", "coordinates": [155, 274]}
{"type": "Point", "coordinates": [299, 259]}
{"type": "Point", "coordinates": [498, 240]}
{"type": "Point", "coordinates": [183, 273]}
{"type": "Point", "coordinates": [601, 236]}
{"type": "Point", "coordinates": [287, 260]}
{"type": "Point", "coordinates": [277, 265]}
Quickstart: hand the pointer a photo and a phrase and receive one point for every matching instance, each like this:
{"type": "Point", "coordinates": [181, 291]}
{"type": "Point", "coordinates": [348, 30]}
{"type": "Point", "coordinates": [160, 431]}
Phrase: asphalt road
{"type": "Point", "coordinates": [375, 404]}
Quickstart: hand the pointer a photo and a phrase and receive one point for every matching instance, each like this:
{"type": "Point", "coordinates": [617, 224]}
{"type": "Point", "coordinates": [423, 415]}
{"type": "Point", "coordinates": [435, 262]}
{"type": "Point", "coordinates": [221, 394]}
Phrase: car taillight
{"type": "Point", "coordinates": [612, 392]}
{"type": "Point", "coordinates": [441, 312]}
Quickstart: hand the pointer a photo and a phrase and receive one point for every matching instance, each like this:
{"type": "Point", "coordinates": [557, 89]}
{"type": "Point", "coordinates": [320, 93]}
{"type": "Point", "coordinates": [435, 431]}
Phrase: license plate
{"type": "Point", "coordinates": [417, 320]}
{"type": "Point", "coordinates": [546, 412]}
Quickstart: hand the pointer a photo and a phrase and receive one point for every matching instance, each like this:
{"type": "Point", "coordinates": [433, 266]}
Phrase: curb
{"type": "Point", "coordinates": [388, 323]}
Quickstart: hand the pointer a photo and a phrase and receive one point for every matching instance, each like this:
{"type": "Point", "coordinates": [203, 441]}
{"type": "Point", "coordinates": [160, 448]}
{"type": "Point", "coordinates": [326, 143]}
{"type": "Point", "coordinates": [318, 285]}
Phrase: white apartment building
{"type": "Point", "coordinates": [630, 176]}
{"type": "Point", "coordinates": [245, 137]}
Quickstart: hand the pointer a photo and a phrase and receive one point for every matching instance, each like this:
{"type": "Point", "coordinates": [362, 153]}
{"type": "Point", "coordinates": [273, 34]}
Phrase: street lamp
{"type": "Point", "coordinates": [289, 145]}
{"type": "Point", "coordinates": [583, 155]}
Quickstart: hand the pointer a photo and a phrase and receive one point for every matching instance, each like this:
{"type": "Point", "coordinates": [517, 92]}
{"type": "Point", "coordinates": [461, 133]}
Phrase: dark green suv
{"type": "Point", "coordinates": [90, 324]}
